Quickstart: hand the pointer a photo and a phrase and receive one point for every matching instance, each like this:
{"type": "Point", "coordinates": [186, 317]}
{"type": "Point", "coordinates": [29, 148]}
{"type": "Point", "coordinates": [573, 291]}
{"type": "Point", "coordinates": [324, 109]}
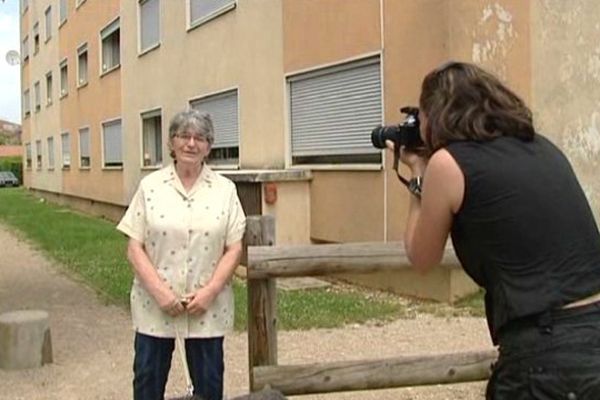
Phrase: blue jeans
{"type": "Point", "coordinates": [152, 363]}
{"type": "Point", "coordinates": [552, 356]}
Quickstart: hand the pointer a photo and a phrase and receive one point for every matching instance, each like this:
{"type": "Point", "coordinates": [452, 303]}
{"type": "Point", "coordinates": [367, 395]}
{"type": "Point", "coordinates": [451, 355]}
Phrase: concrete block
{"type": "Point", "coordinates": [25, 339]}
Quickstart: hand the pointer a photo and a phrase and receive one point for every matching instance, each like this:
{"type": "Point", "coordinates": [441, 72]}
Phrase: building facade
{"type": "Point", "coordinates": [294, 87]}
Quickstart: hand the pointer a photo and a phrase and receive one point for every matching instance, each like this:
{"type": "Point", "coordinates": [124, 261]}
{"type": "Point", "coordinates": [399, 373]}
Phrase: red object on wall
{"type": "Point", "coordinates": [270, 193]}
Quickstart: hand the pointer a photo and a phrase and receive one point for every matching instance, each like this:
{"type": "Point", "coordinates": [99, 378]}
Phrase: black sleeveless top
{"type": "Point", "coordinates": [525, 231]}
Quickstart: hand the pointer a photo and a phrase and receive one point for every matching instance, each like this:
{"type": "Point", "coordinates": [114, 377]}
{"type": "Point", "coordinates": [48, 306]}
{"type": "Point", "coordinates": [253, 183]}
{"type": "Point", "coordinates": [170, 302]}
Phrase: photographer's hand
{"type": "Point", "coordinates": [415, 159]}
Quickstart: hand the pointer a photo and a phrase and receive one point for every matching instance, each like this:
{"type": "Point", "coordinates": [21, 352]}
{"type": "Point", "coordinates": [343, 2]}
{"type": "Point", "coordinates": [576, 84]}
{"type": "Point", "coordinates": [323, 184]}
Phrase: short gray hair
{"type": "Point", "coordinates": [192, 120]}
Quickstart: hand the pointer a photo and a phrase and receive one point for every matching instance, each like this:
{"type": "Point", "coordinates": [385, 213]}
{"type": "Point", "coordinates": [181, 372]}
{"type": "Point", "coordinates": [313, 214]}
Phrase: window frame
{"type": "Point", "coordinates": [342, 161]}
{"type": "Point", "coordinates": [145, 115]}
{"type": "Point", "coordinates": [37, 96]}
{"type": "Point", "coordinates": [225, 162]}
{"type": "Point", "coordinates": [151, 46]}
{"type": "Point", "coordinates": [49, 88]}
{"type": "Point", "coordinates": [25, 48]}
{"type": "Point", "coordinates": [89, 149]}
{"type": "Point", "coordinates": [107, 31]}
{"type": "Point", "coordinates": [103, 142]}
{"type": "Point", "coordinates": [27, 103]}
{"type": "Point", "coordinates": [38, 155]}
{"type": "Point", "coordinates": [63, 9]}
{"type": "Point", "coordinates": [48, 23]}
{"type": "Point", "coordinates": [64, 89]}
{"type": "Point", "coordinates": [232, 5]}
{"type": "Point", "coordinates": [50, 151]}
{"type": "Point", "coordinates": [65, 165]}
{"type": "Point", "coordinates": [28, 156]}
{"type": "Point", "coordinates": [83, 50]}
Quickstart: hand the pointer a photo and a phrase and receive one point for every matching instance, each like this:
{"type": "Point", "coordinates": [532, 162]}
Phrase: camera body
{"type": "Point", "coordinates": [406, 134]}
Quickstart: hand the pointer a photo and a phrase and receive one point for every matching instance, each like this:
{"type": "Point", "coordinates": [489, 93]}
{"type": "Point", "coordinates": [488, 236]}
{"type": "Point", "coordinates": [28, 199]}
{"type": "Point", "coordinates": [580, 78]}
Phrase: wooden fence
{"type": "Point", "coordinates": [265, 262]}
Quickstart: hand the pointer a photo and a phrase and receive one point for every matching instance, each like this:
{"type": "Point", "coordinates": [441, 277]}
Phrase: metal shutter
{"type": "Point", "coordinates": [223, 109]}
{"type": "Point", "coordinates": [334, 110]}
{"type": "Point", "coordinates": [112, 143]}
{"type": "Point", "coordinates": [203, 9]}
{"type": "Point", "coordinates": [149, 23]}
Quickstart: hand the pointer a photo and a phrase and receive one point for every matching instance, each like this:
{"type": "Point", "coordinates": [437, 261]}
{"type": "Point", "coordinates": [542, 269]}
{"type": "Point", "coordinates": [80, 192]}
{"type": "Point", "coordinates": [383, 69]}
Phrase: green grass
{"type": "Point", "coordinates": [92, 250]}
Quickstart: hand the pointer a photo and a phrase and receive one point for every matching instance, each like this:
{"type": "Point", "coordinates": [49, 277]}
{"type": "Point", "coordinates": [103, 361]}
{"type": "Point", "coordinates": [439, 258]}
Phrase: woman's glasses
{"type": "Point", "coordinates": [186, 137]}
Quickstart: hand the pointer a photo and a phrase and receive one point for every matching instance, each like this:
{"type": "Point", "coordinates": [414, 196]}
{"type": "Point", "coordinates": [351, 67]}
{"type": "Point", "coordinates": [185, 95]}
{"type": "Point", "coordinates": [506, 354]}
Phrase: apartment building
{"type": "Point", "coordinates": [294, 87]}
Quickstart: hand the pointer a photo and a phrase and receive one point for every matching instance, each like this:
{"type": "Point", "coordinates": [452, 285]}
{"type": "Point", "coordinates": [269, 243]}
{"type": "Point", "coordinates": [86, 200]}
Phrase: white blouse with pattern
{"type": "Point", "coordinates": [184, 234]}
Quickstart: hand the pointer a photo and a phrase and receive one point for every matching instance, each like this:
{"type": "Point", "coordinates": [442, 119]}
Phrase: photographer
{"type": "Point", "coordinates": [521, 228]}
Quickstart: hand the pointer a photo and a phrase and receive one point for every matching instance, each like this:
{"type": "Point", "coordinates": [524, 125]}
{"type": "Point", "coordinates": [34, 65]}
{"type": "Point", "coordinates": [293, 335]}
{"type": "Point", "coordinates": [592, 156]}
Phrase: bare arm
{"type": "Point", "coordinates": [201, 300]}
{"type": "Point", "coordinates": [430, 220]}
{"type": "Point", "coordinates": [146, 273]}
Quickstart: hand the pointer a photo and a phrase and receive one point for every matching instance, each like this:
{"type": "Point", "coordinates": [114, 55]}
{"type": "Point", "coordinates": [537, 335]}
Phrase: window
{"type": "Point", "coordinates": [36, 38]}
{"type": "Point", "coordinates": [25, 49]}
{"type": "Point", "coordinates": [38, 154]}
{"type": "Point", "coordinates": [78, 3]}
{"type": "Point", "coordinates": [332, 112]}
{"type": "Point", "coordinates": [26, 103]}
{"type": "Point", "coordinates": [64, 78]}
{"type": "Point", "coordinates": [48, 14]}
{"type": "Point", "coordinates": [82, 65]}
{"type": "Point", "coordinates": [223, 109]}
{"type": "Point", "coordinates": [84, 148]}
{"type": "Point", "coordinates": [37, 96]}
{"type": "Point", "coordinates": [149, 24]}
{"type": "Point", "coordinates": [152, 139]}
{"type": "Point", "coordinates": [66, 150]}
{"type": "Point", "coordinates": [50, 153]}
{"type": "Point", "coordinates": [110, 36]}
{"type": "Point", "coordinates": [111, 134]}
{"type": "Point", "coordinates": [204, 10]}
{"type": "Point", "coordinates": [28, 155]}
{"type": "Point", "coordinates": [63, 11]}
{"type": "Point", "coordinates": [49, 88]}
{"type": "Point", "coordinates": [24, 6]}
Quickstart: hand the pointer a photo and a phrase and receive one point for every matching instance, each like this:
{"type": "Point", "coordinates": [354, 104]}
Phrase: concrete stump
{"type": "Point", "coordinates": [25, 339]}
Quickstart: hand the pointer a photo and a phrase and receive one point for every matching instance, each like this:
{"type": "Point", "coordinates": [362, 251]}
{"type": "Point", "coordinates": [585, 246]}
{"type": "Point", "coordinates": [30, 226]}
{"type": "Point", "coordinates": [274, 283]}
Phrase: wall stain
{"type": "Point", "coordinates": [493, 37]}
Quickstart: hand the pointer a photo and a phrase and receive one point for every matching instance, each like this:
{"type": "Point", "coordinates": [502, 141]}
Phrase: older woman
{"type": "Point", "coordinates": [185, 225]}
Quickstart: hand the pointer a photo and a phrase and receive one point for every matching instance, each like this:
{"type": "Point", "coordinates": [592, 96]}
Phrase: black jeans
{"type": "Point", "coordinates": [152, 363]}
{"type": "Point", "coordinates": [552, 356]}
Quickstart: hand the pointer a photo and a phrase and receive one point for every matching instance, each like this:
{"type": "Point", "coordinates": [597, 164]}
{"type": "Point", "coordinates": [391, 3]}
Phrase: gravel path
{"type": "Point", "coordinates": [92, 342]}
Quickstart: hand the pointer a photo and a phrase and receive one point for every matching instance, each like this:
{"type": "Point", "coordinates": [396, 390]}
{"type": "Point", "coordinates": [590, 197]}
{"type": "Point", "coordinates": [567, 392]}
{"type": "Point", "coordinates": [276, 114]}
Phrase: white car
{"type": "Point", "coordinates": [7, 178]}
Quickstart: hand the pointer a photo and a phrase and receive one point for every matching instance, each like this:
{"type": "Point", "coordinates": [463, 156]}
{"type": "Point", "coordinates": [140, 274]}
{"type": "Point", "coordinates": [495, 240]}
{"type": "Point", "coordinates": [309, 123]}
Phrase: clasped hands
{"type": "Point", "coordinates": [195, 303]}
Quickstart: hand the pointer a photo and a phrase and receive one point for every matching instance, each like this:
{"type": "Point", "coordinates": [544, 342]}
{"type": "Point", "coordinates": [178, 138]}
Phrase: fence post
{"type": "Point", "coordinates": [262, 301]}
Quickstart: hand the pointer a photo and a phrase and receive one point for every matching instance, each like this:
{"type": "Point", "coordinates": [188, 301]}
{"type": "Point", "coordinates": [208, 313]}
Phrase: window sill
{"type": "Point", "coordinates": [149, 49]}
{"type": "Point", "coordinates": [47, 40]}
{"type": "Point", "coordinates": [79, 4]}
{"type": "Point", "coordinates": [82, 85]}
{"type": "Point", "coordinates": [50, 169]}
{"type": "Point", "coordinates": [339, 167]}
{"type": "Point", "coordinates": [112, 168]}
{"type": "Point", "coordinates": [151, 167]}
{"type": "Point", "coordinates": [109, 70]}
{"type": "Point", "coordinates": [61, 23]}
{"type": "Point", "coordinates": [85, 168]}
{"type": "Point", "coordinates": [62, 96]}
{"type": "Point", "coordinates": [49, 103]}
{"type": "Point", "coordinates": [66, 168]}
{"type": "Point", "coordinates": [201, 21]}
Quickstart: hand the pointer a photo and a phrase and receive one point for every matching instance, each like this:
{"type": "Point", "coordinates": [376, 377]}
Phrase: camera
{"type": "Point", "coordinates": [404, 134]}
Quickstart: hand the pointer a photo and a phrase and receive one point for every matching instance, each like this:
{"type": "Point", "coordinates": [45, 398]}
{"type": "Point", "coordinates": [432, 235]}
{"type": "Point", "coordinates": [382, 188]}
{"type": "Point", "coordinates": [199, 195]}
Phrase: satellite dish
{"type": "Point", "coordinates": [12, 57]}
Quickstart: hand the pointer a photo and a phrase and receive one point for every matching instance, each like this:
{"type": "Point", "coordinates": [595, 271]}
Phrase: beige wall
{"type": "Point", "coordinates": [566, 84]}
{"type": "Point", "coordinates": [240, 49]}
{"type": "Point", "coordinates": [291, 212]}
{"type": "Point", "coordinates": [345, 205]}
{"type": "Point", "coordinates": [89, 105]}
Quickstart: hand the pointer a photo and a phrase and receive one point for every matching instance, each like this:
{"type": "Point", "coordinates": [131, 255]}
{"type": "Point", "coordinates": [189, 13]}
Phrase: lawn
{"type": "Point", "coordinates": [93, 251]}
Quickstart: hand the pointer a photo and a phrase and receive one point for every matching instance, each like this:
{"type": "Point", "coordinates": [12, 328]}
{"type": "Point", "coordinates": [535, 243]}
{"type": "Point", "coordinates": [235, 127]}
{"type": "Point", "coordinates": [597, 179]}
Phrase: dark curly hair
{"type": "Point", "coordinates": [461, 101]}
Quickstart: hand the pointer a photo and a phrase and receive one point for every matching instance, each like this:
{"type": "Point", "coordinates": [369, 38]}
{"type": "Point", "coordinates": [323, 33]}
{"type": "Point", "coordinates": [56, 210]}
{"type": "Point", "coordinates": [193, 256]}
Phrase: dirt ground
{"type": "Point", "coordinates": [92, 342]}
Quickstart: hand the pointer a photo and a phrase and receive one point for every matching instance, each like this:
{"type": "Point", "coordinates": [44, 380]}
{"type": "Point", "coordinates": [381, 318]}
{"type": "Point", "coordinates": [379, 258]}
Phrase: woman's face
{"type": "Point", "coordinates": [190, 147]}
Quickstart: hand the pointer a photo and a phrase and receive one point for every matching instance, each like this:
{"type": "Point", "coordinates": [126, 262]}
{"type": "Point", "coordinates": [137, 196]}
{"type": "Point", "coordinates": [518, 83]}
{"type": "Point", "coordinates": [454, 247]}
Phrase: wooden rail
{"type": "Point", "coordinates": [265, 263]}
